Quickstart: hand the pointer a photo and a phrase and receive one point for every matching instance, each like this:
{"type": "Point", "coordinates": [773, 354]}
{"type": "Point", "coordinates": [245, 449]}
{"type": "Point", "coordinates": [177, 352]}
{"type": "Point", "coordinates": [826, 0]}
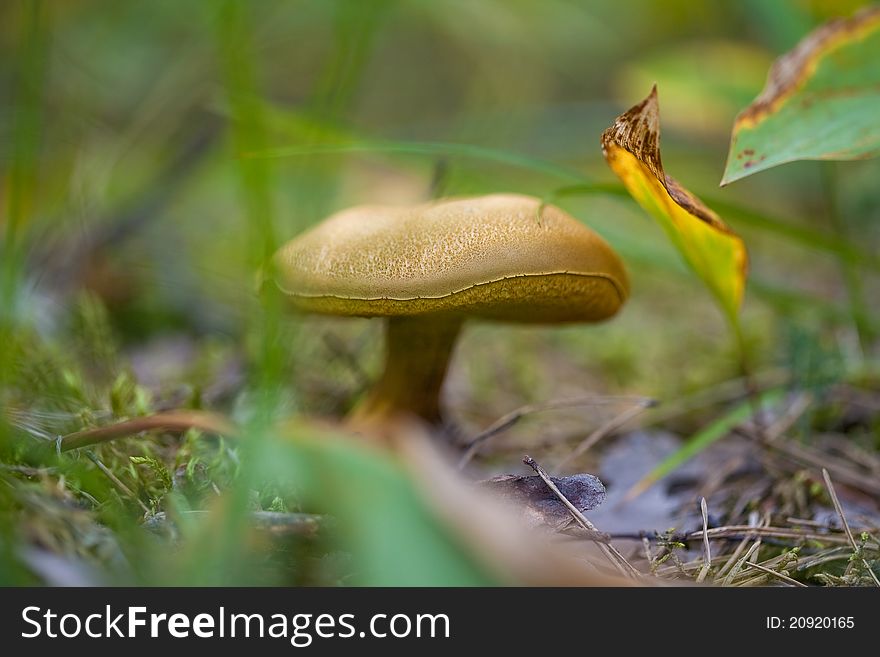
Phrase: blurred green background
{"type": "Point", "coordinates": [153, 154]}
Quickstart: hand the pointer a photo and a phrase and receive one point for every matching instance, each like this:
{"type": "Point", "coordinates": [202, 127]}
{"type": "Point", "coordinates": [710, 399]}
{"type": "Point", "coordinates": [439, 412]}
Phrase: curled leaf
{"type": "Point", "coordinates": [718, 255]}
{"type": "Point", "coordinates": [821, 101]}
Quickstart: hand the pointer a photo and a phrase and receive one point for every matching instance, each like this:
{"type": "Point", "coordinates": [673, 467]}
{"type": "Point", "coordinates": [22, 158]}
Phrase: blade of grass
{"type": "Point", "coordinates": [806, 237]}
{"type": "Point", "coordinates": [27, 116]}
{"type": "Point", "coordinates": [859, 312]}
{"type": "Point", "coordinates": [433, 149]}
{"type": "Point", "coordinates": [355, 25]}
{"type": "Point", "coordinates": [701, 440]}
{"type": "Point", "coordinates": [29, 66]}
{"type": "Point", "coordinates": [217, 552]}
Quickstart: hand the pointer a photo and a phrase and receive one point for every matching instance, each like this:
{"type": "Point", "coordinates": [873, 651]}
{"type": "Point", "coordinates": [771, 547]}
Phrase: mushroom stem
{"type": "Point", "coordinates": [417, 353]}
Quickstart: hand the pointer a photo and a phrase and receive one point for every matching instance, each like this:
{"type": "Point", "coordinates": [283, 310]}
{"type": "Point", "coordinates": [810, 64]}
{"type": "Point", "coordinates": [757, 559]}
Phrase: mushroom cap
{"type": "Point", "coordinates": [491, 257]}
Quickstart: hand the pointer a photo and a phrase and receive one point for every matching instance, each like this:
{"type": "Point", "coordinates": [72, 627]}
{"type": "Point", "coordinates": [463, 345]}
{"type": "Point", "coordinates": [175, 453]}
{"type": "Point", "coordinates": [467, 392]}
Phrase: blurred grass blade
{"type": "Point", "coordinates": [382, 520]}
{"type": "Point", "coordinates": [821, 101]}
{"type": "Point", "coordinates": [432, 149]}
{"type": "Point", "coordinates": [248, 132]}
{"type": "Point", "coordinates": [29, 65]}
{"type": "Point", "coordinates": [27, 116]}
{"type": "Point", "coordinates": [703, 439]}
{"type": "Point", "coordinates": [718, 256]}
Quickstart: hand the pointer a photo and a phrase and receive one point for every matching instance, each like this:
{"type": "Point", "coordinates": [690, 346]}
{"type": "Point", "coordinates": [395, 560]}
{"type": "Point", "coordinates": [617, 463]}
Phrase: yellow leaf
{"type": "Point", "coordinates": [718, 255]}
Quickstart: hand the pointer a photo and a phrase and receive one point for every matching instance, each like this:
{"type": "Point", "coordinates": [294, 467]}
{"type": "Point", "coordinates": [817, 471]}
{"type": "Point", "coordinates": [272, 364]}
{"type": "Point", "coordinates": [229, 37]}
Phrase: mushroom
{"type": "Point", "coordinates": [427, 268]}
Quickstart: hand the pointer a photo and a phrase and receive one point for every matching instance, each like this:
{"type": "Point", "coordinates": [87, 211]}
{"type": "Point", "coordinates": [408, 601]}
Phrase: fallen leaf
{"type": "Point", "coordinates": [539, 504]}
{"type": "Point", "coordinates": [492, 529]}
{"type": "Point", "coordinates": [717, 254]}
{"type": "Point", "coordinates": [821, 101]}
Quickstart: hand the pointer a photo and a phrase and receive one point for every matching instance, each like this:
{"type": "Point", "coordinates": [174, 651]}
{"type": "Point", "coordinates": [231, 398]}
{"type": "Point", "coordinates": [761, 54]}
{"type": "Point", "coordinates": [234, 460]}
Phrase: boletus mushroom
{"type": "Point", "coordinates": [427, 268]}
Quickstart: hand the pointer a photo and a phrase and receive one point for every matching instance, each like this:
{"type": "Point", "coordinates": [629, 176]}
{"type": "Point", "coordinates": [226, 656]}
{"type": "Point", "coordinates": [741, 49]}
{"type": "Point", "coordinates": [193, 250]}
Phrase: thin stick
{"type": "Point", "coordinates": [116, 481]}
{"type": "Point", "coordinates": [708, 554]}
{"type": "Point", "coordinates": [753, 520]}
{"type": "Point", "coordinates": [852, 278]}
{"type": "Point", "coordinates": [751, 386]}
{"type": "Point", "coordinates": [728, 580]}
{"type": "Point", "coordinates": [612, 554]}
{"type": "Point", "coordinates": [726, 391]}
{"type": "Point", "coordinates": [506, 421]}
{"type": "Point", "coordinates": [806, 455]}
{"type": "Point", "coordinates": [849, 534]}
{"type": "Point", "coordinates": [611, 425]}
{"type": "Point", "coordinates": [742, 531]}
{"type": "Point", "coordinates": [770, 571]}
{"type": "Point", "coordinates": [647, 545]}
{"type": "Point", "coordinates": [791, 415]}
{"type": "Point", "coordinates": [811, 457]}
{"type": "Point", "coordinates": [806, 523]}
{"type": "Point", "coordinates": [177, 421]}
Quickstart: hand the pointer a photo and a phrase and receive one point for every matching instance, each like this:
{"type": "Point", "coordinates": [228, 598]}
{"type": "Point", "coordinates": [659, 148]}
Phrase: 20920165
{"type": "Point", "coordinates": [810, 623]}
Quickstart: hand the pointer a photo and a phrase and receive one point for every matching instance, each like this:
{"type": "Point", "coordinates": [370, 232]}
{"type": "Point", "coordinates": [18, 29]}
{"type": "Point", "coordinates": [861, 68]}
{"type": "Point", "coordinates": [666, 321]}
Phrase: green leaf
{"type": "Point", "coordinates": [717, 254]}
{"type": "Point", "coordinates": [821, 101]}
{"type": "Point", "coordinates": [382, 519]}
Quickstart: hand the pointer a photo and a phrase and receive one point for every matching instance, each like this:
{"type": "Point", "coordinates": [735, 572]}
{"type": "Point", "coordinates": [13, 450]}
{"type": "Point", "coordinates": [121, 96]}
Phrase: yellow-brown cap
{"type": "Point", "coordinates": [491, 257]}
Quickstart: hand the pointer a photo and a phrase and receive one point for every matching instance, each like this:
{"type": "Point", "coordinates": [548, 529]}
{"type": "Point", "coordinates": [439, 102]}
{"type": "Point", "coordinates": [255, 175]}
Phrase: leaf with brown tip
{"type": "Point", "coordinates": [718, 255]}
{"type": "Point", "coordinates": [821, 101]}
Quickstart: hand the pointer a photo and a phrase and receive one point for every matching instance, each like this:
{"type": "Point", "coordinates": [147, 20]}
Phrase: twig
{"type": "Point", "coordinates": [708, 554]}
{"type": "Point", "coordinates": [293, 524]}
{"type": "Point", "coordinates": [770, 571]}
{"type": "Point", "coordinates": [806, 523]}
{"type": "Point", "coordinates": [849, 534]}
{"type": "Point", "coordinates": [611, 425]}
{"type": "Point", "coordinates": [613, 555]}
{"type": "Point", "coordinates": [726, 391]}
{"type": "Point", "coordinates": [851, 275]}
{"type": "Point", "coordinates": [116, 481]}
{"type": "Point", "coordinates": [742, 531]}
{"type": "Point", "coordinates": [506, 421]}
{"type": "Point", "coordinates": [807, 456]}
{"type": "Point", "coordinates": [753, 520]}
{"type": "Point", "coordinates": [728, 580]}
{"type": "Point", "coordinates": [791, 415]}
{"type": "Point", "coordinates": [177, 421]}
{"type": "Point", "coordinates": [751, 386]}
{"type": "Point", "coordinates": [832, 554]}
{"type": "Point", "coordinates": [649, 557]}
